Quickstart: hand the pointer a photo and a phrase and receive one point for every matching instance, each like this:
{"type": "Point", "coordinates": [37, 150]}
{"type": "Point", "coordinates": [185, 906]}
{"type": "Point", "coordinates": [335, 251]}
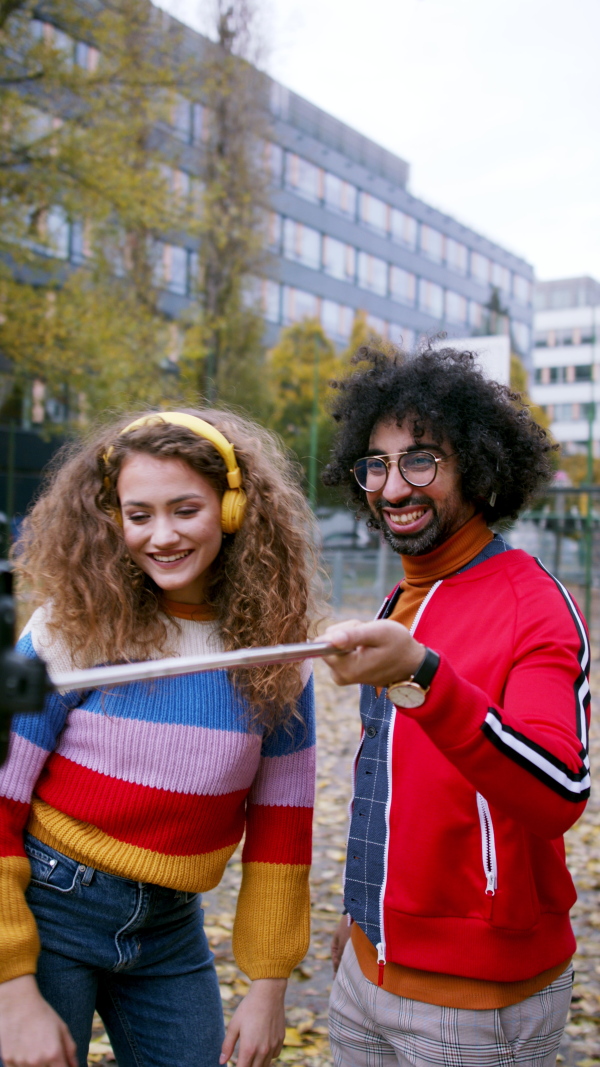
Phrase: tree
{"type": "Point", "coordinates": [141, 159]}
{"type": "Point", "coordinates": [88, 159]}
{"type": "Point", "coordinates": [300, 367]}
{"type": "Point", "coordinates": [229, 326]}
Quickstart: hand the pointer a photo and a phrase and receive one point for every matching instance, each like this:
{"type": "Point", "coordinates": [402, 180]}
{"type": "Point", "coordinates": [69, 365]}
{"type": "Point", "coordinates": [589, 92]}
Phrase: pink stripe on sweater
{"type": "Point", "coordinates": [22, 769]}
{"type": "Point", "coordinates": [286, 780]}
{"type": "Point", "coordinates": [180, 759]}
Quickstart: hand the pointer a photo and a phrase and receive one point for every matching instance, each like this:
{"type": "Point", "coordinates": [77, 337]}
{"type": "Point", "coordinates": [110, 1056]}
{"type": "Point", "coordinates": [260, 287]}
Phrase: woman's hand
{"type": "Point", "coordinates": [378, 653]}
{"type": "Point", "coordinates": [258, 1023]}
{"type": "Point", "coordinates": [31, 1033]}
{"type": "Point", "coordinates": [339, 940]}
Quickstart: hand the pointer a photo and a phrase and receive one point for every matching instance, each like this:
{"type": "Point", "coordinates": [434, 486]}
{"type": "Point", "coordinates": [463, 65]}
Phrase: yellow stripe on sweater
{"type": "Point", "coordinates": [87, 844]}
{"type": "Point", "coordinates": [19, 941]}
{"type": "Point", "coordinates": [271, 933]}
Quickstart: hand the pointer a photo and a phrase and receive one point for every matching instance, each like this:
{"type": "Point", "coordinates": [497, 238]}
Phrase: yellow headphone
{"type": "Point", "coordinates": [233, 505]}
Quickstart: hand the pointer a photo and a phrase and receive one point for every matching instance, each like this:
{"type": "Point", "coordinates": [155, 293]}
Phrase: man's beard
{"type": "Point", "coordinates": [439, 528]}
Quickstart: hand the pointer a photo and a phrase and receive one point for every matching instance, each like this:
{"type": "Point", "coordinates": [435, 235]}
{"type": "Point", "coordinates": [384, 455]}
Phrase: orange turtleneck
{"type": "Point", "coordinates": [447, 990]}
{"type": "Point", "coordinates": [195, 612]}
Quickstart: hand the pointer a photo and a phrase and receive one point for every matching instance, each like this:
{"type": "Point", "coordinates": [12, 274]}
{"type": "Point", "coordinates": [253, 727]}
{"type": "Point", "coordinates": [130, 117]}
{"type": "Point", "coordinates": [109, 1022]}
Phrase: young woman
{"type": "Point", "coordinates": [177, 533]}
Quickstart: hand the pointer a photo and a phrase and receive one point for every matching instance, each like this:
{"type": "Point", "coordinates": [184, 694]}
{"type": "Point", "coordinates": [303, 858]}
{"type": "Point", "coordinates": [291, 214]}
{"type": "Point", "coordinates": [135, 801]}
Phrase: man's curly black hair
{"type": "Point", "coordinates": [500, 448]}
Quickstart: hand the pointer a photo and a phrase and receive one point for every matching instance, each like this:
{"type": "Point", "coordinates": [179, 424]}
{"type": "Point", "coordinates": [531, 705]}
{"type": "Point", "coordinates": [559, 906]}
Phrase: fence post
{"type": "Point", "coordinates": [338, 579]}
{"type": "Point", "coordinates": [380, 578]}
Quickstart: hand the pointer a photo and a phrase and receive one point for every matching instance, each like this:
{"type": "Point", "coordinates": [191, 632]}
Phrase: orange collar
{"type": "Point", "coordinates": [195, 612]}
{"type": "Point", "coordinates": [453, 554]}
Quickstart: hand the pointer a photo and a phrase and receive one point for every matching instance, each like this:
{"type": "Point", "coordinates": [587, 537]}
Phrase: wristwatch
{"type": "Point", "coordinates": [413, 692]}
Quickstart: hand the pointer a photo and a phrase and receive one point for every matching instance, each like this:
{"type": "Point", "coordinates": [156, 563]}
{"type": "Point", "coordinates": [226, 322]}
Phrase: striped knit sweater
{"type": "Point", "coordinates": [157, 782]}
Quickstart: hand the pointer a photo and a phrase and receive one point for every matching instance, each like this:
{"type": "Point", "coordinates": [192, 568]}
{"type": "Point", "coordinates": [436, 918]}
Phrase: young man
{"type": "Point", "coordinates": [473, 760]}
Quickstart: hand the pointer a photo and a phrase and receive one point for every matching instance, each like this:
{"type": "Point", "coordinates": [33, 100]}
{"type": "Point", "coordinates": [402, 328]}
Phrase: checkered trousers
{"type": "Point", "coordinates": [370, 1027]}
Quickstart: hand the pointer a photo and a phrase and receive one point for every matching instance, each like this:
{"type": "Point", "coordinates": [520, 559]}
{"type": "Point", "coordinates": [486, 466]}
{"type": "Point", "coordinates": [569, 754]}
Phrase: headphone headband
{"type": "Point", "coordinates": [234, 500]}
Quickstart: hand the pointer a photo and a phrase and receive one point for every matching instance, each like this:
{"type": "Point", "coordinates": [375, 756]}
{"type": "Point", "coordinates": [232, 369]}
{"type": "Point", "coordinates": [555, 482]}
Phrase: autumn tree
{"type": "Point", "coordinates": [234, 170]}
{"type": "Point", "coordinates": [300, 367]}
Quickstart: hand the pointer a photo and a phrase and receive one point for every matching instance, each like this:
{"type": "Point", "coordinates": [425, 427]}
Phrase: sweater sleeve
{"type": "Point", "coordinates": [32, 738]}
{"type": "Point", "coordinates": [272, 925]}
{"type": "Point", "coordinates": [528, 755]}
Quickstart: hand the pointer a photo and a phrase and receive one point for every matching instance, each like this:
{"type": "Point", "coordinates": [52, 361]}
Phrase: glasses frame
{"type": "Point", "coordinates": [397, 456]}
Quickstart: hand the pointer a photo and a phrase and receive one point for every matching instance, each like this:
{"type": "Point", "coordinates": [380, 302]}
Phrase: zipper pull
{"type": "Point", "coordinates": [380, 962]}
{"type": "Point", "coordinates": [490, 889]}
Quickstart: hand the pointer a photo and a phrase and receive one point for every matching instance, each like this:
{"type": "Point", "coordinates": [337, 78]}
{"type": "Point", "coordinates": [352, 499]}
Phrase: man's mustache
{"type": "Point", "coordinates": [412, 502]}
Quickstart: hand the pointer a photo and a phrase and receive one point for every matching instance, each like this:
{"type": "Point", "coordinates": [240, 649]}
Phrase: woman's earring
{"type": "Point", "coordinates": [493, 498]}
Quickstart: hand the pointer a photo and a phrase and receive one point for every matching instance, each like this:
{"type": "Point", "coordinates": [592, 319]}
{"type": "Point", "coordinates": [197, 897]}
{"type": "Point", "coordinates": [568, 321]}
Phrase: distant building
{"type": "Point", "coordinates": [345, 234]}
{"type": "Point", "coordinates": [567, 359]}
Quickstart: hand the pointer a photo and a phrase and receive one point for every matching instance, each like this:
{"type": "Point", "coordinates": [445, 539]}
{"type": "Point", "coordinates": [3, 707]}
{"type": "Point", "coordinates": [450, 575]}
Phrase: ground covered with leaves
{"type": "Point", "coordinates": [306, 1036]}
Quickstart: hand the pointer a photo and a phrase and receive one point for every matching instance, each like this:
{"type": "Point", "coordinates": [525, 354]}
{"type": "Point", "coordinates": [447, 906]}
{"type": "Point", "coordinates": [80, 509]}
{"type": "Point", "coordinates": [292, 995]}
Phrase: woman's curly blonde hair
{"type": "Point", "coordinates": [72, 555]}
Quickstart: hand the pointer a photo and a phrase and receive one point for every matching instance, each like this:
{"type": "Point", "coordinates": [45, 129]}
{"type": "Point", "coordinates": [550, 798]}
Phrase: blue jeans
{"type": "Point", "coordinates": [136, 953]}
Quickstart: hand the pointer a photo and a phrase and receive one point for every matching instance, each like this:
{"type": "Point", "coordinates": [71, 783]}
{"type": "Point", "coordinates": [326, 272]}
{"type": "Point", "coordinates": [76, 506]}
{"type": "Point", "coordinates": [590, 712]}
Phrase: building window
{"type": "Point", "coordinates": [303, 177]}
{"type": "Point", "coordinates": [340, 196]}
{"type": "Point", "coordinates": [403, 286]}
{"type": "Point", "coordinates": [270, 298]}
{"type": "Point", "coordinates": [431, 298]}
{"type": "Point", "coordinates": [274, 160]}
{"type": "Point", "coordinates": [377, 325]}
{"type": "Point", "coordinates": [53, 233]}
{"type": "Point", "coordinates": [480, 267]}
{"type": "Point", "coordinates": [81, 241]}
{"type": "Point", "coordinates": [374, 213]}
{"type": "Point", "coordinates": [301, 244]}
{"type": "Point", "coordinates": [372, 273]}
{"type": "Point", "coordinates": [522, 336]}
{"type": "Point", "coordinates": [501, 277]}
{"type": "Point", "coordinates": [274, 230]}
{"type": "Point", "coordinates": [475, 315]}
{"type": "Point", "coordinates": [339, 259]}
{"type": "Point", "coordinates": [180, 117]}
{"type": "Point", "coordinates": [401, 336]}
{"type": "Point", "coordinates": [86, 56]}
{"type": "Point", "coordinates": [432, 244]}
{"type": "Point", "coordinates": [583, 372]}
{"type": "Point", "coordinates": [298, 305]}
{"type": "Point", "coordinates": [521, 289]}
{"type": "Point", "coordinates": [456, 307]}
{"type": "Point", "coordinates": [336, 319]}
{"type": "Point", "coordinates": [566, 412]}
{"type": "Point", "coordinates": [404, 229]}
{"type": "Point", "coordinates": [199, 123]}
{"type": "Point", "coordinates": [456, 256]}
{"type": "Point", "coordinates": [171, 268]}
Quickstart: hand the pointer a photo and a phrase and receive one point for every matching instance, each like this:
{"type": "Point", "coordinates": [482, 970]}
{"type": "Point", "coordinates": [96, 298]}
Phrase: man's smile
{"type": "Point", "coordinates": [408, 519]}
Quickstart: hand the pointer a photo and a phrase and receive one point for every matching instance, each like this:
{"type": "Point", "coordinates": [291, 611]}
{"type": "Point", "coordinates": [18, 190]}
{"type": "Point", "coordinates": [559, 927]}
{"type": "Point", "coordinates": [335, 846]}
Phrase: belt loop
{"type": "Point", "coordinates": [88, 875]}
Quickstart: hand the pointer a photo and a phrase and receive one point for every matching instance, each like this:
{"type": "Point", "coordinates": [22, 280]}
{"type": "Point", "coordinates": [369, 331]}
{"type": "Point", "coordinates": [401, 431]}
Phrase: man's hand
{"type": "Point", "coordinates": [338, 942]}
{"type": "Point", "coordinates": [31, 1033]}
{"type": "Point", "coordinates": [258, 1023]}
{"type": "Point", "coordinates": [379, 653]}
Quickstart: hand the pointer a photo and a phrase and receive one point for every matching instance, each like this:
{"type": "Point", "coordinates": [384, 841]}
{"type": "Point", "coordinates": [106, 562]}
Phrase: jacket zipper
{"type": "Point", "coordinates": [488, 846]}
{"type": "Point", "coordinates": [381, 956]}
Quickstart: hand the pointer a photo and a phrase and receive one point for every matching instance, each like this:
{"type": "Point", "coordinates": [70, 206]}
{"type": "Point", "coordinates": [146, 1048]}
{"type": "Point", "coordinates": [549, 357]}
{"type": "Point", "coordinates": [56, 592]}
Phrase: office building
{"type": "Point", "coordinates": [567, 360]}
{"type": "Point", "coordinates": [345, 233]}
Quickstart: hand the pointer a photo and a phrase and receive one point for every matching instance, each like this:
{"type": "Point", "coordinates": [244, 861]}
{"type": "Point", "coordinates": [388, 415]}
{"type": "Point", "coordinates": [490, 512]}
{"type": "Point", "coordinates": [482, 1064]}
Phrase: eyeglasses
{"type": "Point", "coordinates": [417, 468]}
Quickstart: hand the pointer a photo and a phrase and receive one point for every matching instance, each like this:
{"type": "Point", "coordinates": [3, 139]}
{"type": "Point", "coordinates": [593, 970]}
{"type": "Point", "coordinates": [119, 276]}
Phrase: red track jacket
{"type": "Point", "coordinates": [456, 862]}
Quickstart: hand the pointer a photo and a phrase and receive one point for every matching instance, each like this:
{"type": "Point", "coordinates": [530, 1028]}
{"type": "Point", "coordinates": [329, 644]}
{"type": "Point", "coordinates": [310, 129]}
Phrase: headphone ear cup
{"type": "Point", "coordinates": [233, 509]}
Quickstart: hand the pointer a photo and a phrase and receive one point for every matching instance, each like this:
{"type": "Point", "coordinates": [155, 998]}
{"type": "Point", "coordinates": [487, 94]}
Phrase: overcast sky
{"type": "Point", "coordinates": [494, 103]}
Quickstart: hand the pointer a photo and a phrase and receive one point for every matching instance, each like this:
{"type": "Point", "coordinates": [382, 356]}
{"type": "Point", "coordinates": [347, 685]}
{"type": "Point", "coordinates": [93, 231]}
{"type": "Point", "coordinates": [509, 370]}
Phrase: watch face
{"type": "Point", "coordinates": [406, 695]}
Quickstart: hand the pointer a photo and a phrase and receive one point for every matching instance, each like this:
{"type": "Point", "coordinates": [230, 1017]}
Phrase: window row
{"type": "Point", "coordinates": [556, 338]}
{"type": "Point", "coordinates": [569, 412]}
{"type": "Point", "coordinates": [74, 52]}
{"type": "Point", "coordinates": [583, 372]}
{"type": "Point", "coordinates": [319, 186]}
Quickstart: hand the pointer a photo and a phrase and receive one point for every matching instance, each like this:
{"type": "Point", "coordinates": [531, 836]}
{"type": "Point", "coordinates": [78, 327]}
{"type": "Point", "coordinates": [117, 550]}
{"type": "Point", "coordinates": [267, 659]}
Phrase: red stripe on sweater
{"type": "Point", "coordinates": [174, 824]}
{"type": "Point", "coordinates": [278, 835]}
{"type": "Point", "coordinates": [13, 817]}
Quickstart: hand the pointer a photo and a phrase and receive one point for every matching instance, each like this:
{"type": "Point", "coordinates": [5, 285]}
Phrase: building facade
{"type": "Point", "coordinates": [566, 360]}
{"type": "Point", "coordinates": [344, 233]}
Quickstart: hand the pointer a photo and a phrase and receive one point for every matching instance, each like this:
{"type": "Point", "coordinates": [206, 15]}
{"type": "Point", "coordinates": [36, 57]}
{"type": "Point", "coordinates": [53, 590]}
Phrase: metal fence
{"type": "Point", "coordinates": [562, 530]}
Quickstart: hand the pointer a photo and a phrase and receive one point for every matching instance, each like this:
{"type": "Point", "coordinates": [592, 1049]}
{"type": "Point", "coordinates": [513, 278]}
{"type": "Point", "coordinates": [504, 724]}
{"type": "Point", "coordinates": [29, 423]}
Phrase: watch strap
{"type": "Point", "coordinates": [425, 673]}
